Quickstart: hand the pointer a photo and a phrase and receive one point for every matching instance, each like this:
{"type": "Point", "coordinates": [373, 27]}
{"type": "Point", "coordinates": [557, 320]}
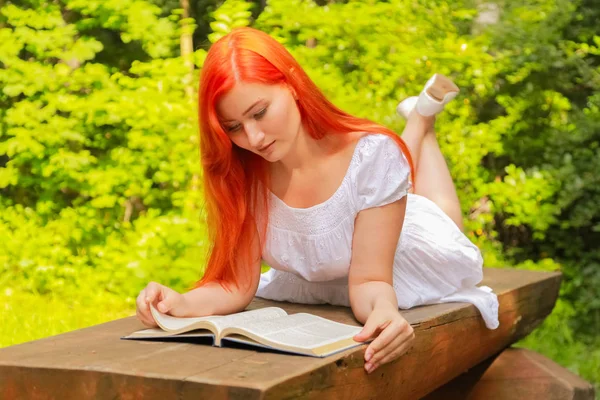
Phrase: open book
{"type": "Point", "coordinates": [269, 327]}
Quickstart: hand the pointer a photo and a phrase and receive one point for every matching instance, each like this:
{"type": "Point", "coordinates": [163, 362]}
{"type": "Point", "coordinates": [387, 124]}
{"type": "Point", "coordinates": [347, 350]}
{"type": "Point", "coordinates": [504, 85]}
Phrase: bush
{"type": "Point", "coordinates": [99, 168]}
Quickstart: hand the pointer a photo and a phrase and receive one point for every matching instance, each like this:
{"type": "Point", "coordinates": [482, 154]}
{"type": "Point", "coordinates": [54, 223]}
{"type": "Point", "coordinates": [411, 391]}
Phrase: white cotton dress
{"type": "Point", "coordinates": [309, 249]}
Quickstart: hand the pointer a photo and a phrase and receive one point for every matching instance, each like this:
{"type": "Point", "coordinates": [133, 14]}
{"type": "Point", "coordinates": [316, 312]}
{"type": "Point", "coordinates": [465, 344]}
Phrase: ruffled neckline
{"type": "Point", "coordinates": [325, 202]}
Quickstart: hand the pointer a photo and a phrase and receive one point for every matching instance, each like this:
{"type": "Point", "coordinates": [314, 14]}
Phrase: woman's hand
{"type": "Point", "coordinates": [393, 334]}
{"type": "Point", "coordinates": [166, 300]}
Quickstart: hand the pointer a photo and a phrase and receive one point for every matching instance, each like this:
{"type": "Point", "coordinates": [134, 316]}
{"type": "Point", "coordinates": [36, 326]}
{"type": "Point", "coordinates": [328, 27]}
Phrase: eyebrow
{"type": "Point", "coordinates": [248, 109]}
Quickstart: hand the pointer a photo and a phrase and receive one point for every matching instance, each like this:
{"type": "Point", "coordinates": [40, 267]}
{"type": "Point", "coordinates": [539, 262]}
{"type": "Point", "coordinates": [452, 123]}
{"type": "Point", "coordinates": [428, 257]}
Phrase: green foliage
{"type": "Point", "coordinates": [534, 189]}
{"type": "Point", "coordinates": [549, 94]}
{"type": "Point", "coordinates": [99, 168]}
{"type": "Point", "coordinates": [230, 15]}
{"type": "Point", "coordinates": [26, 316]}
{"type": "Point", "coordinates": [94, 157]}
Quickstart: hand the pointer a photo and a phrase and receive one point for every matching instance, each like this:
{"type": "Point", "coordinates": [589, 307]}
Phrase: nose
{"type": "Point", "coordinates": [256, 136]}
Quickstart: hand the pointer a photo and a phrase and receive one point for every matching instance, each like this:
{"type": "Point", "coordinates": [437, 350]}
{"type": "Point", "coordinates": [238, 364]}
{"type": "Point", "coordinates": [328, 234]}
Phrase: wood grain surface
{"type": "Point", "coordinates": [450, 338]}
{"type": "Point", "coordinates": [516, 374]}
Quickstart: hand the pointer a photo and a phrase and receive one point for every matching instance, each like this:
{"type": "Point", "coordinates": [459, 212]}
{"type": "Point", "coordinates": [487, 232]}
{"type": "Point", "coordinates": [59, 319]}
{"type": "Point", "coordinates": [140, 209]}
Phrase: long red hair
{"type": "Point", "coordinates": [236, 181]}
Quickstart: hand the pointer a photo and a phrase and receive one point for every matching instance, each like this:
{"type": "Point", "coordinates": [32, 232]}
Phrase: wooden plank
{"type": "Point", "coordinates": [448, 342]}
{"type": "Point", "coordinates": [450, 338]}
{"type": "Point", "coordinates": [516, 374]}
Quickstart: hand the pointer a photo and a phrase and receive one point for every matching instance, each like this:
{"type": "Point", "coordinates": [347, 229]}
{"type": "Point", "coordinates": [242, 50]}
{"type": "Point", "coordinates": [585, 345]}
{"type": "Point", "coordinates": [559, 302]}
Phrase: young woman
{"type": "Point", "coordinates": [343, 210]}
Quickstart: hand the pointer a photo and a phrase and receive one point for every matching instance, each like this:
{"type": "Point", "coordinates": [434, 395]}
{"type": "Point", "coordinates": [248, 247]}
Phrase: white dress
{"type": "Point", "coordinates": [309, 249]}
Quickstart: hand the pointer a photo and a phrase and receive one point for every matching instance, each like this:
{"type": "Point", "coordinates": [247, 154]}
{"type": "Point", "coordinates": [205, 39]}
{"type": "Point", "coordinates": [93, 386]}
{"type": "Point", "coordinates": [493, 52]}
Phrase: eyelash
{"type": "Point", "coordinates": [258, 116]}
{"type": "Point", "coordinates": [261, 113]}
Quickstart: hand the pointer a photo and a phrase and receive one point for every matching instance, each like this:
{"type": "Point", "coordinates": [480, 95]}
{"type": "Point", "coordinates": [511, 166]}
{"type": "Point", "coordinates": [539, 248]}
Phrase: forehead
{"type": "Point", "coordinates": [234, 103]}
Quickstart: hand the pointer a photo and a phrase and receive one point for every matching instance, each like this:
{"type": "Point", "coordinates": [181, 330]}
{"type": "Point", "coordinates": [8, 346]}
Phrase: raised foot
{"type": "Point", "coordinates": [438, 91]}
{"type": "Point", "coordinates": [440, 86]}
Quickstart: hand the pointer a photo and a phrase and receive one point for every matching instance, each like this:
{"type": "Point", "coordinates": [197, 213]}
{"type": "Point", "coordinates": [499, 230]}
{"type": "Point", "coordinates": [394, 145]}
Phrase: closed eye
{"type": "Point", "coordinates": [261, 113]}
{"type": "Point", "coordinates": [233, 128]}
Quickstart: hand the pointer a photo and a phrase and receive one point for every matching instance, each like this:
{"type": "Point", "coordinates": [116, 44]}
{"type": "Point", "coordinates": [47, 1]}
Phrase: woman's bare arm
{"type": "Point", "coordinates": [376, 235]}
{"type": "Point", "coordinates": [213, 299]}
{"type": "Point", "coordinates": [372, 296]}
{"type": "Point", "coordinates": [209, 299]}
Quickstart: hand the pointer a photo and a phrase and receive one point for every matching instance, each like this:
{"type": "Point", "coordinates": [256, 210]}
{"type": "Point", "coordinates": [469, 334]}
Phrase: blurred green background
{"type": "Point", "coordinates": [99, 163]}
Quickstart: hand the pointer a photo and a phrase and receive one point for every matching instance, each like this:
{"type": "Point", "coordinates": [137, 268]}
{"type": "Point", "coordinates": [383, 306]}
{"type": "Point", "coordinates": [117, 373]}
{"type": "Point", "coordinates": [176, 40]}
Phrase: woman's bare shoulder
{"type": "Point", "coordinates": [348, 141]}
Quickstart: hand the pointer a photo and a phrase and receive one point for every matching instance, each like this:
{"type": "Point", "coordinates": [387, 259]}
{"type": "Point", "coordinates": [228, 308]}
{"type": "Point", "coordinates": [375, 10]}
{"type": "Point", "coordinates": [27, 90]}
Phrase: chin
{"type": "Point", "coordinates": [271, 157]}
{"type": "Point", "coordinates": [274, 155]}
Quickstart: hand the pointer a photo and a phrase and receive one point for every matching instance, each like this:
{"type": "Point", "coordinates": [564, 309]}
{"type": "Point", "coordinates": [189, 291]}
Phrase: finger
{"type": "Point", "coordinates": [377, 354]}
{"type": "Point", "coordinates": [392, 356]}
{"type": "Point", "coordinates": [150, 323]}
{"type": "Point", "coordinates": [140, 301]}
{"type": "Point", "coordinates": [159, 295]}
{"type": "Point", "coordinates": [167, 301]}
{"type": "Point", "coordinates": [152, 292]}
{"type": "Point", "coordinates": [146, 297]}
{"type": "Point", "coordinates": [405, 340]}
{"type": "Point", "coordinates": [141, 305]}
{"type": "Point", "coordinates": [406, 333]}
{"type": "Point", "coordinates": [146, 321]}
{"type": "Point", "coordinates": [370, 329]}
{"type": "Point", "coordinates": [390, 333]}
{"type": "Point", "coordinates": [396, 353]}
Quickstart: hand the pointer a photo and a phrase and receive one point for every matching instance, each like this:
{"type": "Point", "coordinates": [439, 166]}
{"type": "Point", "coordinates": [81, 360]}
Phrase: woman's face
{"type": "Point", "coordinates": [263, 119]}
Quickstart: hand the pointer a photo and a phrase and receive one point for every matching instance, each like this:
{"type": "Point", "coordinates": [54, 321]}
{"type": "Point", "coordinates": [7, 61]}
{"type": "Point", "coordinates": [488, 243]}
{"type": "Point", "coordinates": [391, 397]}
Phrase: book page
{"type": "Point", "coordinates": [244, 318]}
{"type": "Point", "coordinates": [156, 333]}
{"type": "Point", "coordinates": [301, 330]}
{"type": "Point", "coordinates": [174, 324]}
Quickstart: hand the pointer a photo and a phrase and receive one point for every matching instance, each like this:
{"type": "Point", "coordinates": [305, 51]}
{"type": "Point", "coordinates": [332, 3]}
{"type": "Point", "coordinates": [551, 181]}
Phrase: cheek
{"type": "Point", "coordinates": [294, 117]}
{"type": "Point", "coordinates": [240, 140]}
{"type": "Point", "coordinates": [283, 121]}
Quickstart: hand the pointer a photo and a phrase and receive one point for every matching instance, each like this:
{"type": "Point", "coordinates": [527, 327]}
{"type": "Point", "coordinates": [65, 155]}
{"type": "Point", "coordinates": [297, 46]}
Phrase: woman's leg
{"type": "Point", "coordinates": [433, 179]}
{"type": "Point", "coordinates": [414, 132]}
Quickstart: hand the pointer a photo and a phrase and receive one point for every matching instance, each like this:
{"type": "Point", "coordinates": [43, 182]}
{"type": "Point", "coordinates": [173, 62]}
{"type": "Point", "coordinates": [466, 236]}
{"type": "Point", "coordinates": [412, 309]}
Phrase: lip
{"type": "Point", "coordinates": [266, 147]}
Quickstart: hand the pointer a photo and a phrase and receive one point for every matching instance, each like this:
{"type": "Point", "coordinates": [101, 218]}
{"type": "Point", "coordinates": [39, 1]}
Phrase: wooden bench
{"type": "Point", "coordinates": [450, 339]}
{"type": "Point", "coordinates": [515, 374]}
